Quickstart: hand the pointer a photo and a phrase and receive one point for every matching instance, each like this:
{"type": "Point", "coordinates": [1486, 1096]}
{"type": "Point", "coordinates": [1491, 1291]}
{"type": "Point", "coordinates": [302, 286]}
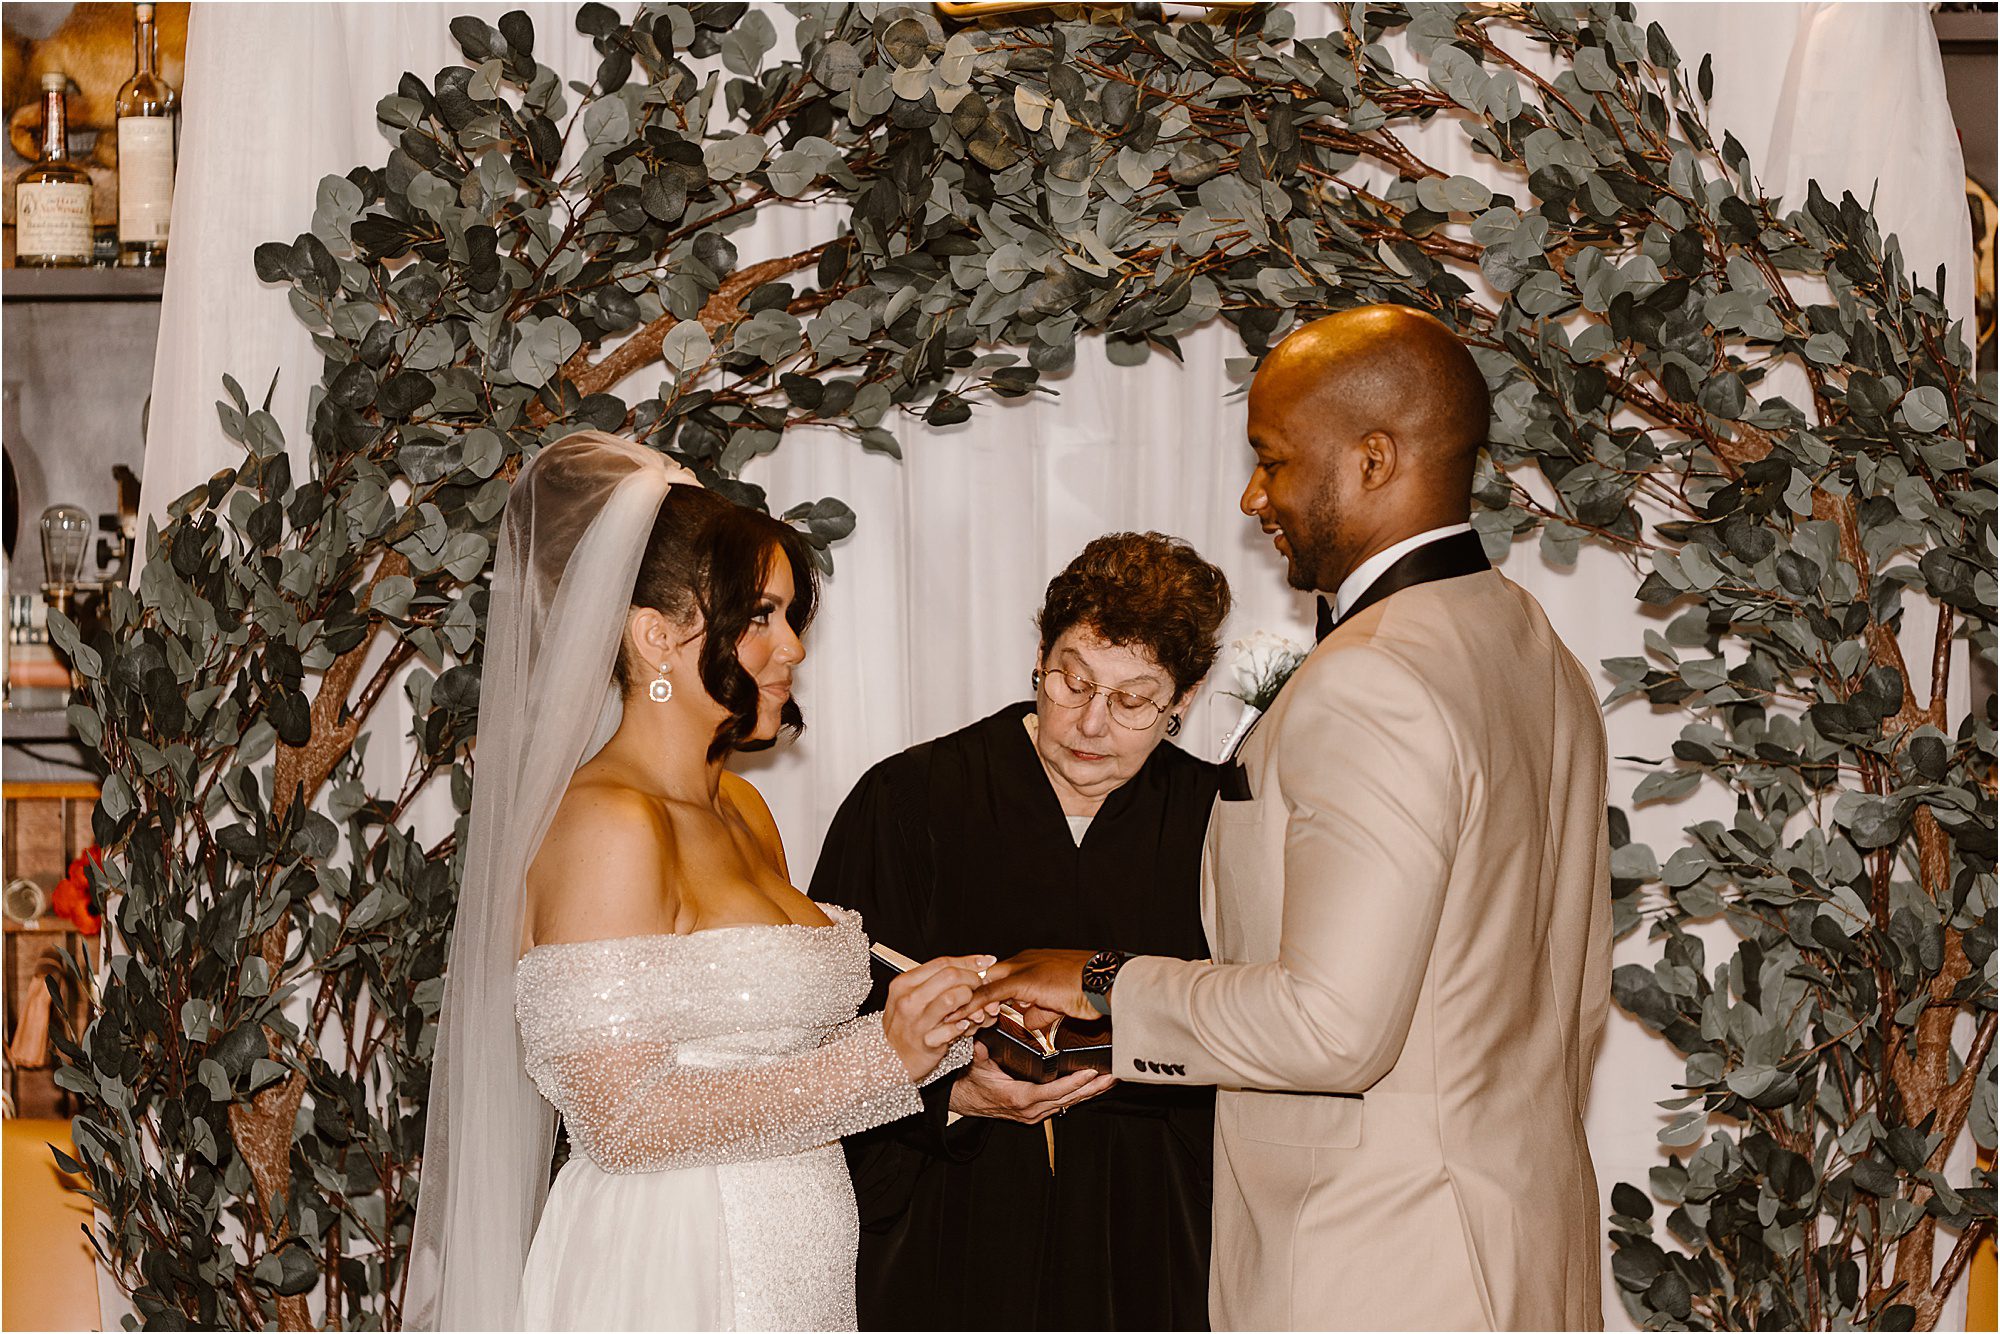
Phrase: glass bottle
{"type": "Point", "coordinates": [146, 111]}
{"type": "Point", "coordinates": [52, 197]}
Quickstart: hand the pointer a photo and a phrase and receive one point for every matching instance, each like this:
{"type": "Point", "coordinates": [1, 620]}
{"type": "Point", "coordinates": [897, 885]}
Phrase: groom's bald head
{"type": "Point", "coordinates": [1389, 369]}
{"type": "Point", "coordinates": [1368, 426]}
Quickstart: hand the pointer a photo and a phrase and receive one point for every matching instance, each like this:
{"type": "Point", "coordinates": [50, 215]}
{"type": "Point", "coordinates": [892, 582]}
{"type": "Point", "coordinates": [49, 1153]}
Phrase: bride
{"type": "Point", "coordinates": [629, 950]}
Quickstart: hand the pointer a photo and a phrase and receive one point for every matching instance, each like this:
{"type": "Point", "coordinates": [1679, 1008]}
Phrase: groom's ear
{"type": "Point", "coordinates": [1379, 457]}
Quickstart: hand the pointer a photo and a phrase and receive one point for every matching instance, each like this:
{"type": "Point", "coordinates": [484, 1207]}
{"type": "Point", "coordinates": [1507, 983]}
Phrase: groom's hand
{"type": "Point", "coordinates": [1039, 980]}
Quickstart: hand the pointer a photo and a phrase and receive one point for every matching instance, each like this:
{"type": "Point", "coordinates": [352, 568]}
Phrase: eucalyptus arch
{"type": "Point", "coordinates": [254, 1084]}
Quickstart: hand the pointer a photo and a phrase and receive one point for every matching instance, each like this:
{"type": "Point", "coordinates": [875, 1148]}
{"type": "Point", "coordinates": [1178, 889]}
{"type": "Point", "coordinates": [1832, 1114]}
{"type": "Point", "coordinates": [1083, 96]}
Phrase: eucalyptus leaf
{"type": "Point", "coordinates": [686, 346]}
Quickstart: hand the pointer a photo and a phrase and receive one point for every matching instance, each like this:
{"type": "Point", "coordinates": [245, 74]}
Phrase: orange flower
{"type": "Point", "coordinates": [75, 896]}
{"type": "Point", "coordinates": [72, 900]}
{"type": "Point", "coordinates": [68, 898]}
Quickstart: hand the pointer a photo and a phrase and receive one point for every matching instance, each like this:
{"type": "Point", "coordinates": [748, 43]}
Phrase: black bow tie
{"type": "Point", "coordinates": [1446, 558]}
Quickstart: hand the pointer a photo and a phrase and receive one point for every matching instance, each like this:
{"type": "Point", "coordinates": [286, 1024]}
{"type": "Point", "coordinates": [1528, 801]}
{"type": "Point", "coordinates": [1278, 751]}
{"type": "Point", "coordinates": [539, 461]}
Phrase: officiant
{"type": "Point", "coordinates": [1077, 1204]}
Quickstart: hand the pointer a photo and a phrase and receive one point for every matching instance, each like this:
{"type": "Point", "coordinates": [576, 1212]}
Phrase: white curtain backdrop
{"type": "Point", "coordinates": [927, 621]}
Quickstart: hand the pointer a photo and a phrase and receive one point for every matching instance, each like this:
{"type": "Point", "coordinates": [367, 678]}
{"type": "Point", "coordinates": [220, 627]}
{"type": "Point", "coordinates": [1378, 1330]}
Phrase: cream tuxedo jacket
{"type": "Point", "coordinates": [1411, 925]}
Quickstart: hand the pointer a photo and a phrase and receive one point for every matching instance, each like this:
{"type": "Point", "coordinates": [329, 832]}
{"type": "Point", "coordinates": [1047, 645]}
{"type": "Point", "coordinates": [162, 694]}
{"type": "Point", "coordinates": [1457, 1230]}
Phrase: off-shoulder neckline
{"type": "Point", "coordinates": [842, 917]}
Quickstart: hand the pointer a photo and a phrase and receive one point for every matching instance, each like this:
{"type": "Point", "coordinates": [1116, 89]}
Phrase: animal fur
{"type": "Point", "coordinates": [93, 46]}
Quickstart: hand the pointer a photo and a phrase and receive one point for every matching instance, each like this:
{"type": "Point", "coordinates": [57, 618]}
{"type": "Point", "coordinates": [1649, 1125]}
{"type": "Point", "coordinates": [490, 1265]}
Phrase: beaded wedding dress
{"type": "Point", "coordinates": [705, 1080]}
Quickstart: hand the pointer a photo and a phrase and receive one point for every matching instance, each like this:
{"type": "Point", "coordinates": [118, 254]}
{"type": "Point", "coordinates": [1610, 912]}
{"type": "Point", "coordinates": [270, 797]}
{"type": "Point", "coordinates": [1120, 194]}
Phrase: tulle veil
{"type": "Point", "coordinates": [571, 538]}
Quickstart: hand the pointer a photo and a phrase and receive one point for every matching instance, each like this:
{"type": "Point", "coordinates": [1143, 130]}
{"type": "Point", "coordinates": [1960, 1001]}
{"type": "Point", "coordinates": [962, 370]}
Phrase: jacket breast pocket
{"type": "Point", "coordinates": [1303, 1120]}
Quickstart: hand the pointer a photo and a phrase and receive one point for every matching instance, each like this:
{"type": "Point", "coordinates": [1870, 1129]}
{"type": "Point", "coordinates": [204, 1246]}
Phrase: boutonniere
{"type": "Point", "coordinates": [1262, 663]}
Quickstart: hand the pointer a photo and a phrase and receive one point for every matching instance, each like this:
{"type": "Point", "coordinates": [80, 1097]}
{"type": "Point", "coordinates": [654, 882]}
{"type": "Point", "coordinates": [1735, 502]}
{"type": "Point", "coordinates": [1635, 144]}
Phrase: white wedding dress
{"type": "Point", "coordinates": [705, 1080]}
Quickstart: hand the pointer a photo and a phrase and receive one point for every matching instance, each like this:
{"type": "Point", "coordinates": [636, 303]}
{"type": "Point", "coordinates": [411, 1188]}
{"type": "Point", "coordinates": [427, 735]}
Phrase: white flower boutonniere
{"type": "Point", "coordinates": [1262, 663]}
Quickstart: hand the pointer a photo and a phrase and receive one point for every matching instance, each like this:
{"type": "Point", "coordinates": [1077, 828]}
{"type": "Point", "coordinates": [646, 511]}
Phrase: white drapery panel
{"type": "Point", "coordinates": [927, 623]}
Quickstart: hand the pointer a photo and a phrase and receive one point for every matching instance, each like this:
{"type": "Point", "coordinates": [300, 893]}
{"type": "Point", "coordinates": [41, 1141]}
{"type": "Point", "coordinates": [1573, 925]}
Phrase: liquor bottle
{"type": "Point", "coordinates": [52, 197]}
{"type": "Point", "coordinates": [146, 108]}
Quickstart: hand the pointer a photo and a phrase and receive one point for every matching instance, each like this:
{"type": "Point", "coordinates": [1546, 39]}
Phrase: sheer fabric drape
{"type": "Point", "coordinates": [570, 542]}
{"type": "Point", "coordinates": [927, 623]}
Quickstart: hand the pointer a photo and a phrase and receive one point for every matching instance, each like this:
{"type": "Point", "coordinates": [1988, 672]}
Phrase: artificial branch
{"type": "Point", "coordinates": [722, 308]}
{"type": "Point", "coordinates": [1930, 1307]}
{"type": "Point", "coordinates": [298, 771]}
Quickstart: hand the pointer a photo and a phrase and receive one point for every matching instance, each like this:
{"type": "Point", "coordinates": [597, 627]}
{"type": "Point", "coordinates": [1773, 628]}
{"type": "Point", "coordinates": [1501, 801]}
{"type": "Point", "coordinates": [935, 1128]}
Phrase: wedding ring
{"type": "Point", "coordinates": [982, 975]}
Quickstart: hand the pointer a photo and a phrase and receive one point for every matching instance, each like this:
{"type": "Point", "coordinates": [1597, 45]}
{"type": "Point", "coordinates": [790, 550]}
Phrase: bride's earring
{"type": "Point", "coordinates": [661, 690]}
{"type": "Point", "coordinates": [1174, 725]}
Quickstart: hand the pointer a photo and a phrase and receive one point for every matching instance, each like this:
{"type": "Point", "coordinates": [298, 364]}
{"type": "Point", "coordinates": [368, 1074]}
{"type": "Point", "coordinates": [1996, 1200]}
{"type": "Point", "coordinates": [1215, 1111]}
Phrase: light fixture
{"type": "Point", "coordinates": [65, 537]}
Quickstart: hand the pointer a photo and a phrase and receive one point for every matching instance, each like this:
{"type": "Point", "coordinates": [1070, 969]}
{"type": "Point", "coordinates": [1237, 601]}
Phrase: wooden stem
{"type": "Point", "coordinates": [643, 348]}
{"type": "Point", "coordinates": [1931, 1306]}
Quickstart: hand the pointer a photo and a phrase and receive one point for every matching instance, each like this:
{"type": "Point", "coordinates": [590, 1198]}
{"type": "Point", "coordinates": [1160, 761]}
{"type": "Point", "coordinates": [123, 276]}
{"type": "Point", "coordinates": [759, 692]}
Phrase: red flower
{"type": "Point", "coordinates": [67, 898]}
{"type": "Point", "coordinates": [72, 900]}
{"type": "Point", "coordinates": [83, 907]}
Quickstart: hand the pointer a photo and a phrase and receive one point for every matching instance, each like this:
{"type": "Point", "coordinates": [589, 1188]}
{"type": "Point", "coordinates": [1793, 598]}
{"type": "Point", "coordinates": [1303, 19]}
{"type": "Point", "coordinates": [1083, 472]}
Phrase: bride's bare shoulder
{"type": "Point", "coordinates": [602, 868]}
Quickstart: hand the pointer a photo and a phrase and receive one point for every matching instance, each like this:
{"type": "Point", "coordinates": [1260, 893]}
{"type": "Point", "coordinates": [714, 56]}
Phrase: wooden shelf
{"type": "Point", "coordinates": [1966, 30]}
{"type": "Point", "coordinates": [42, 926]}
{"type": "Point", "coordinates": [89, 284]}
{"type": "Point", "coordinates": [33, 789]}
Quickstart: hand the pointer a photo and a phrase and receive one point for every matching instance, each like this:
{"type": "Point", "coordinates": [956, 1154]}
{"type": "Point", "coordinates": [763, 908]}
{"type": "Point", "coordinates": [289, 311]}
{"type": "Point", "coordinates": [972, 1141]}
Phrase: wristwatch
{"type": "Point", "coordinates": [1098, 975]}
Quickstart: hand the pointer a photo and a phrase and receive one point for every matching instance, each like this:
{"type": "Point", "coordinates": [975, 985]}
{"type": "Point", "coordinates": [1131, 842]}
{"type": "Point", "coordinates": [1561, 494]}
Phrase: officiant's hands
{"type": "Point", "coordinates": [932, 1006]}
{"type": "Point", "coordinates": [987, 1090]}
{"type": "Point", "coordinates": [1042, 984]}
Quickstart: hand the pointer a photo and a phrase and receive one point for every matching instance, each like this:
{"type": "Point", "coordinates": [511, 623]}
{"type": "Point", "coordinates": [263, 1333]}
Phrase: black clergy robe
{"type": "Point", "coordinates": [959, 846]}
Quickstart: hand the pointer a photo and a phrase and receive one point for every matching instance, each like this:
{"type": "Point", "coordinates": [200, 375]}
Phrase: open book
{"type": "Point", "coordinates": [1037, 1055]}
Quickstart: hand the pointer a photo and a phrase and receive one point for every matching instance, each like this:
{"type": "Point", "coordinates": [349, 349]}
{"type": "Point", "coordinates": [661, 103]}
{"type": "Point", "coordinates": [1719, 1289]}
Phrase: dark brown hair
{"type": "Point", "coordinates": [1143, 590]}
{"type": "Point", "coordinates": [709, 557]}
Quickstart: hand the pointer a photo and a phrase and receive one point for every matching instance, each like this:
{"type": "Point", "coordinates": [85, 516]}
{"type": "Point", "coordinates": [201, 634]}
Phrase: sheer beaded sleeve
{"type": "Point", "coordinates": [957, 1057]}
{"type": "Point", "coordinates": [664, 1052]}
{"type": "Point", "coordinates": [634, 1107]}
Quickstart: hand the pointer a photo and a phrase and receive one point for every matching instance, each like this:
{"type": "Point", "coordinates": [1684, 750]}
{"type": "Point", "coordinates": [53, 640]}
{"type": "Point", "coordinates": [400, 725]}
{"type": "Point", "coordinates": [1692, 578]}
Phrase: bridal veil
{"type": "Point", "coordinates": [571, 538]}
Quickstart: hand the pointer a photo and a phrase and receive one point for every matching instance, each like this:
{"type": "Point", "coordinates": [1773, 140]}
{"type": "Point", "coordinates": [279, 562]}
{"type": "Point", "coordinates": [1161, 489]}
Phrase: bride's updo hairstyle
{"type": "Point", "coordinates": [709, 557]}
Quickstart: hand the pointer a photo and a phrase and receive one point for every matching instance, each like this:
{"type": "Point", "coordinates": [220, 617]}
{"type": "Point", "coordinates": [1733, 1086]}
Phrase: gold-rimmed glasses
{"type": "Point", "coordinates": [1068, 690]}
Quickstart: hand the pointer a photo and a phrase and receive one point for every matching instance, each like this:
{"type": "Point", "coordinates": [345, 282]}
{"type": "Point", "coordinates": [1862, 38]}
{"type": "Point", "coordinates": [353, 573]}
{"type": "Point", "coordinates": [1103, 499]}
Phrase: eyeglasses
{"type": "Point", "coordinates": [1067, 690]}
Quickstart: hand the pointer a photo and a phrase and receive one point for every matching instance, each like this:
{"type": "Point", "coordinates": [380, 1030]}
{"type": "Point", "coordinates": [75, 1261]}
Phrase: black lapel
{"type": "Point", "coordinates": [1447, 558]}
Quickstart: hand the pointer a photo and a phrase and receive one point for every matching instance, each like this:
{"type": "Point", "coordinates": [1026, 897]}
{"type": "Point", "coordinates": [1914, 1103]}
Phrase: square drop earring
{"type": "Point", "coordinates": [661, 689]}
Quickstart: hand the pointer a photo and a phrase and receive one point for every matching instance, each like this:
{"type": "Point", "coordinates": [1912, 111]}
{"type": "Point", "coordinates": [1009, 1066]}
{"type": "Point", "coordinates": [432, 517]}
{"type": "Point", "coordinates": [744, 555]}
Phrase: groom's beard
{"type": "Point", "coordinates": [1314, 542]}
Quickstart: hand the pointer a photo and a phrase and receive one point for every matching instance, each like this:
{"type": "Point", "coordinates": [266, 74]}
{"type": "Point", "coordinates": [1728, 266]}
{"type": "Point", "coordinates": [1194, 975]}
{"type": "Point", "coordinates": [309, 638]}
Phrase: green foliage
{"type": "Point", "coordinates": [1758, 409]}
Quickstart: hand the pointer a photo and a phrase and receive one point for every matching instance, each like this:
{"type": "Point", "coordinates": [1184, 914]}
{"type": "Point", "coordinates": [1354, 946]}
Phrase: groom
{"type": "Point", "coordinates": [1405, 886]}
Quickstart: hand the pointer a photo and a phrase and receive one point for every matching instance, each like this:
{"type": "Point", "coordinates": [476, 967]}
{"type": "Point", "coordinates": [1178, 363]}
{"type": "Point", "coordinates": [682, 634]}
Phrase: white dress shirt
{"type": "Point", "coordinates": [1368, 571]}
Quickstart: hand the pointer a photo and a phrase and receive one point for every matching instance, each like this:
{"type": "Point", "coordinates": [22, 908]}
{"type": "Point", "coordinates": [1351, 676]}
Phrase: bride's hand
{"type": "Point", "coordinates": [921, 1000]}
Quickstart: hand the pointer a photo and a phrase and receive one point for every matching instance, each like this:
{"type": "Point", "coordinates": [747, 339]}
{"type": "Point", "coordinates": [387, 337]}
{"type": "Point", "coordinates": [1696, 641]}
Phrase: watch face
{"type": "Point", "coordinates": [1102, 968]}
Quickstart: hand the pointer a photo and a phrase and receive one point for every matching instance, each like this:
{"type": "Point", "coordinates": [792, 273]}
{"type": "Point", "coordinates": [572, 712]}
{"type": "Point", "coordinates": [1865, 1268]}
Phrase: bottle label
{"type": "Point", "coordinates": [52, 218]}
{"type": "Point", "coordinates": [145, 177]}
